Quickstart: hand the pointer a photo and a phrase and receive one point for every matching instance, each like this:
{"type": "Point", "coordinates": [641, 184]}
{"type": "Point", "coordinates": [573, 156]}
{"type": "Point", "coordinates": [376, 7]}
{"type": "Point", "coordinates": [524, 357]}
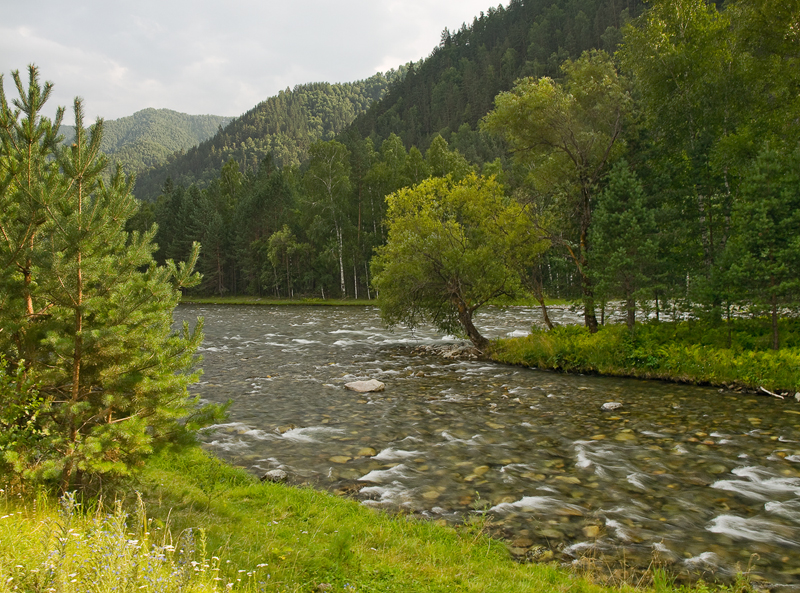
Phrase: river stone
{"type": "Point", "coordinates": [608, 406]}
{"type": "Point", "coordinates": [522, 542]}
{"type": "Point", "coordinates": [365, 386]}
{"type": "Point", "coordinates": [275, 475]}
{"type": "Point", "coordinates": [591, 531]}
{"type": "Point", "coordinates": [551, 533]}
{"type": "Point", "coordinates": [479, 471]}
{"type": "Point", "coordinates": [367, 452]}
{"type": "Point", "coordinates": [431, 495]}
{"type": "Point", "coordinates": [568, 479]}
{"type": "Point", "coordinates": [339, 459]}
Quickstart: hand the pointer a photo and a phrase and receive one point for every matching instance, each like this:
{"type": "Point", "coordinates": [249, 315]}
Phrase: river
{"type": "Point", "coordinates": [703, 482]}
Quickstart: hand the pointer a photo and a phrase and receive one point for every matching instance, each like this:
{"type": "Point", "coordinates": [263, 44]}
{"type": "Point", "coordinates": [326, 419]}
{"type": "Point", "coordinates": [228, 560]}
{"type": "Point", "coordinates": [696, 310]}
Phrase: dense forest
{"type": "Point", "coordinates": [149, 137]}
{"type": "Point", "coordinates": [280, 129]}
{"type": "Point", "coordinates": [450, 91]}
{"type": "Point", "coordinates": [664, 174]}
{"type": "Point", "coordinates": [523, 38]}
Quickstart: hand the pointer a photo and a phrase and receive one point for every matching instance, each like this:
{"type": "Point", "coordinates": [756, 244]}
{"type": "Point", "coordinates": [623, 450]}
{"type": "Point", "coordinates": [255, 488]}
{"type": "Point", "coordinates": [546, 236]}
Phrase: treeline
{"type": "Point", "coordinates": [282, 128]}
{"type": "Point", "coordinates": [286, 231]}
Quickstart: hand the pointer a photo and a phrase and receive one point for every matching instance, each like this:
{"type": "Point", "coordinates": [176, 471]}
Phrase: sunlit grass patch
{"type": "Point", "coordinates": [674, 352]}
{"type": "Point", "coordinates": [47, 546]}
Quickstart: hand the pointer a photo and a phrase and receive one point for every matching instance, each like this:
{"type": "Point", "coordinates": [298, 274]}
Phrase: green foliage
{"type": "Point", "coordinates": [690, 352]}
{"type": "Point", "coordinates": [454, 87]}
{"type": "Point", "coordinates": [451, 249]}
{"type": "Point", "coordinates": [91, 321]}
{"type": "Point", "coordinates": [565, 135]}
{"type": "Point", "coordinates": [623, 236]}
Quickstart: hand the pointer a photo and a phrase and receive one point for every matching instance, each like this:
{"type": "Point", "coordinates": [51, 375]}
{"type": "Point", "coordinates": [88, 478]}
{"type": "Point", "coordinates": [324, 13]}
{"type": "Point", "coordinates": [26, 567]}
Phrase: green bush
{"type": "Point", "coordinates": [691, 352]}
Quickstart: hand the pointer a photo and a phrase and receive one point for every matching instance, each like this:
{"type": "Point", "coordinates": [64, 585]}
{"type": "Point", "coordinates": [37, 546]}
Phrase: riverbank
{"type": "Point", "coordinates": [349, 302]}
{"type": "Point", "coordinates": [251, 300]}
{"type": "Point", "coordinates": [736, 357]}
{"type": "Point", "coordinates": [197, 524]}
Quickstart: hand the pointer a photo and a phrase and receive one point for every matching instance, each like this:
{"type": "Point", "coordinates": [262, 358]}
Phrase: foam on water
{"type": "Point", "coordinates": [754, 529]}
{"type": "Point", "coordinates": [534, 504]}
{"type": "Point", "coordinates": [310, 434]}
{"type": "Point", "coordinates": [760, 484]}
{"type": "Point", "coordinates": [380, 476]}
{"type": "Point", "coordinates": [391, 454]}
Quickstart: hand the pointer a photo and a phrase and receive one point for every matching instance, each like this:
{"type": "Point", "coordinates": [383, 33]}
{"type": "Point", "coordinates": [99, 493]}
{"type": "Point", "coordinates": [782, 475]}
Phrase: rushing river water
{"type": "Point", "coordinates": [704, 482]}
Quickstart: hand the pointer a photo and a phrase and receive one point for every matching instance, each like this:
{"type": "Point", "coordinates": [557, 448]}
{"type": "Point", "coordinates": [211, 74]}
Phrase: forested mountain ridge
{"type": "Point", "coordinates": [269, 227]}
{"type": "Point", "coordinates": [452, 89]}
{"type": "Point", "coordinates": [148, 137]}
{"type": "Point", "coordinates": [284, 126]}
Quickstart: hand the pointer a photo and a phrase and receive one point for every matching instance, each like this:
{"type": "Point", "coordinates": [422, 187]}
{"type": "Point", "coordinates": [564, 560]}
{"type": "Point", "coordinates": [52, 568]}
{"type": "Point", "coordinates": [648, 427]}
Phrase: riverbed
{"type": "Point", "coordinates": [701, 481]}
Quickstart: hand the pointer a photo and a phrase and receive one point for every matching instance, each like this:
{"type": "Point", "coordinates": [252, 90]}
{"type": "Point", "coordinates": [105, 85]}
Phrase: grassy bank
{"type": "Point", "coordinates": [736, 356]}
{"type": "Point", "coordinates": [200, 525]}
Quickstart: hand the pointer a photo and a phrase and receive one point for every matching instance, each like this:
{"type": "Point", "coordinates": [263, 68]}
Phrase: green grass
{"type": "Point", "coordinates": [198, 524]}
{"type": "Point", "coordinates": [691, 352]}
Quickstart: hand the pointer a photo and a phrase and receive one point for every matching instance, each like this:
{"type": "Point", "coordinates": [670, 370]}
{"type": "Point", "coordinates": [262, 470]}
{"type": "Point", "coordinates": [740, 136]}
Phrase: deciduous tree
{"type": "Point", "coordinates": [452, 248]}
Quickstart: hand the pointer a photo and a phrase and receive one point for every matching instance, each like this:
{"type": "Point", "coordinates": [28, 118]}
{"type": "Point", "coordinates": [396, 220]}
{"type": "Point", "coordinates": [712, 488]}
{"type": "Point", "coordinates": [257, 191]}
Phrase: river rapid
{"type": "Point", "coordinates": [703, 482]}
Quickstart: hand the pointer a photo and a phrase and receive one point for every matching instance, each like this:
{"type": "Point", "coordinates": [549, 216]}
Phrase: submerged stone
{"type": "Point", "coordinates": [365, 386]}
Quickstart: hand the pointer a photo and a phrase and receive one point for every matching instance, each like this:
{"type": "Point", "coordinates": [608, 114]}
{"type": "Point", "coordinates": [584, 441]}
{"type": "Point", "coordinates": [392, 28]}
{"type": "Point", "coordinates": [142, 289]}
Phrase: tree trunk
{"type": "Point", "coordinates": [465, 318]}
{"type": "Point", "coordinates": [341, 260]}
{"type": "Point", "coordinates": [775, 335]}
{"type": "Point", "coordinates": [630, 305]}
{"type": "Point", "coordinates": [538, 293]}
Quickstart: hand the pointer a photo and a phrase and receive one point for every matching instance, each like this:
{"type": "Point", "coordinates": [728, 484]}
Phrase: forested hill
{"type": "Point", "coordinates": [148, 137]}
{"type": "Point", "coordinates": [457, 83]}
{"type": "Point", "coordinates": [285, 125]}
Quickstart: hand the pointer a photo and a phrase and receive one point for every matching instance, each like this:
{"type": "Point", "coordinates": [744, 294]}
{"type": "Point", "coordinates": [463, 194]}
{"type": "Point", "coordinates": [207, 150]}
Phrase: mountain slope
{"type": "Point", "coordinates": [148, 137]}
{"type": "Point", "coordinates": [457, 83]}
{"type": "Point", "coordinates": [284, 126]}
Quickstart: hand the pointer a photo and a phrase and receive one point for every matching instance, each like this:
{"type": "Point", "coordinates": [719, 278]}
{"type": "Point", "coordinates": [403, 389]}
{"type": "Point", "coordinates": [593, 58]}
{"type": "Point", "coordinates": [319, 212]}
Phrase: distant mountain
{"type": "Point", "coordinates": [148, 137]}
{"type": "Point", "coordinates": [283, 126]}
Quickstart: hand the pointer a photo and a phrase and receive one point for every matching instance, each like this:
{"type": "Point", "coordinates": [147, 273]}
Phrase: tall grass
{"type": "Point", "coordinates": [60, 547]}
{"type": "Point", "coordinates": [692, 353]}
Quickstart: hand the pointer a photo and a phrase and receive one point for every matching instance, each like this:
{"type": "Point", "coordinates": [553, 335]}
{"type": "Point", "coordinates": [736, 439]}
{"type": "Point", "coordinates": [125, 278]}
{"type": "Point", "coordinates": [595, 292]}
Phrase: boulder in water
{"type": "Point", "coordinates": [609, 406]}
{"type": "Point", "coordinates": [365, 386]}
{"type": "Point", "coordinates": [275, 475]}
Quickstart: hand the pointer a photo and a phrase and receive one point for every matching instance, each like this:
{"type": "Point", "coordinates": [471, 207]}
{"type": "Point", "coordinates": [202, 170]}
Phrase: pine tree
{"type": "Point", "coordinates": [110, 369]}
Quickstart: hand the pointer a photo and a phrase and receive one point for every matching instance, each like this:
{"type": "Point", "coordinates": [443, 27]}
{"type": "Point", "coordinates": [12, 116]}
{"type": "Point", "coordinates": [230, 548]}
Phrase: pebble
{"type": "Point", "coordinates": [591, 531]}
{"type": "Point", "coordinates": [339, 459]}
{"type": "Point", "coordinates": [481, 470]}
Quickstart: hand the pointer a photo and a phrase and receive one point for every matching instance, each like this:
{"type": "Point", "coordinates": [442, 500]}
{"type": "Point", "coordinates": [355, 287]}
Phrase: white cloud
{"type": "Point", "coordinates": [204, 57]}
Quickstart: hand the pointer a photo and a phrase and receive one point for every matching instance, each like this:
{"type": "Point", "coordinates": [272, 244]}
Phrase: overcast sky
{"type": "Point", "coordinates": [220, 58]}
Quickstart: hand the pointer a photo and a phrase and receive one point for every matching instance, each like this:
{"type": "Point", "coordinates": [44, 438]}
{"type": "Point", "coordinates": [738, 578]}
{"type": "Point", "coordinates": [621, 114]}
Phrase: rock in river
{"type": "Point", "coordinates": [365, 386]}
{"type": "Point", "coordinates": [608, 406]}
{"type": "Point", "coordinates": [275, 475]}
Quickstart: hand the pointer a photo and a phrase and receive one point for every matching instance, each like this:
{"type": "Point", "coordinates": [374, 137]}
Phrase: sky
{"type": "Point", "coordinates": [218, 58]}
